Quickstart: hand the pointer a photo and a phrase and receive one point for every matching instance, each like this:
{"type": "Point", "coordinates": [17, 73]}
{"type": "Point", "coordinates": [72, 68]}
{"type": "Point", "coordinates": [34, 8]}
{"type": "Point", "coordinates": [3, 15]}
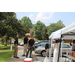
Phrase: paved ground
{"type": "Point", "coordinates": [21, 59]}
{"type": "Point", "coordinates": [36, 57]}
{"type": "Point", "coordinates": [41, 59]}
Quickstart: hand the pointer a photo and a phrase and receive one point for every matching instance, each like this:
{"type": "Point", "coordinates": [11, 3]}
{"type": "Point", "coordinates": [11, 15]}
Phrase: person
{"type": "Point", "coordinates": [25, 45]}
{"type": "Point", "coordinates": [47, 46]}
{"type": "Point", "coordinates": [56, 48]}
{"type": "Point", "coordinates": [73, 48]}
{"type": "Point", "coordinates": [30, 46]}
{"type": "Point", "coordinates": [73, 45]}
{"type": "Point", "coordinates": [16, 46]}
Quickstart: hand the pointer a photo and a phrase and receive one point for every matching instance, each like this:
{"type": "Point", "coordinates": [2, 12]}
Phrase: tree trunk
{"type": "Point", "coordinates": [10, 42]}
{"type": "Point", "coordinates": [6, 43]}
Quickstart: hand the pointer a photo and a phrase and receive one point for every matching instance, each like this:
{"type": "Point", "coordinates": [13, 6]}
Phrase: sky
{"type": "Point", "coordinates": [48, 17]}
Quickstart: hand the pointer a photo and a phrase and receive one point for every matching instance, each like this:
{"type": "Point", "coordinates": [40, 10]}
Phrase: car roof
{"type": "Point", "coordinates": [66, 43]}
{"type": "Point", "coordinates": [43, 42]}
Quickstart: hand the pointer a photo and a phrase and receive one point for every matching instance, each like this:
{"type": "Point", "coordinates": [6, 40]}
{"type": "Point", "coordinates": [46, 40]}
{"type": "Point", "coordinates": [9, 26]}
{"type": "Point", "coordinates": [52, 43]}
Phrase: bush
{"type": "Point", "coordinates": [3, 47]}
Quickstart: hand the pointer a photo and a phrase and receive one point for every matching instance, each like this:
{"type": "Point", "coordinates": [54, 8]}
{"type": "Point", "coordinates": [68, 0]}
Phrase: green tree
{"type": "Point", "coordinates": [27, 23]}
{"type": "Point", "coordinates": [10, 26]}
{"type": "Point", "coordinates": [44, 33]}
{"type": "Point", "coordinates": [54, 27]}
{"type": "Point", "coordinates": [38, 29]}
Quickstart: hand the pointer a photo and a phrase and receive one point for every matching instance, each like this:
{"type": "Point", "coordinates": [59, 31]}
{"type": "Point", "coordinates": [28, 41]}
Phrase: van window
{"type": "Point", "coordinates": [65, 46]}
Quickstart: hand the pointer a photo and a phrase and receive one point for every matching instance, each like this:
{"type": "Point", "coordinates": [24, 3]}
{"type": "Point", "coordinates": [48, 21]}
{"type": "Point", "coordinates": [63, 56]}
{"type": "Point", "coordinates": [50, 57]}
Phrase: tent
{"type": "Point", "coordinates": [64, 33]}
{"type": "Point", "coordinates": [56, 34]}
{"type": "Point", "coordinates": [67, 32]}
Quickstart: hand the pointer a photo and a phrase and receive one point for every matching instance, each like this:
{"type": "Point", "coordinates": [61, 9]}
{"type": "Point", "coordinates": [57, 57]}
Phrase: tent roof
{"type": "Point", "coordinates": [67, 32]}
{"type": "Point", "coordinates": [69, 29]}
{"type": "Point", "coordinates": [56, 34]}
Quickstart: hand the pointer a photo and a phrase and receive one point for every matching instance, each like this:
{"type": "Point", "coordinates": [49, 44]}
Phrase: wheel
{"type": "Point", "coordinates": [43, 53]}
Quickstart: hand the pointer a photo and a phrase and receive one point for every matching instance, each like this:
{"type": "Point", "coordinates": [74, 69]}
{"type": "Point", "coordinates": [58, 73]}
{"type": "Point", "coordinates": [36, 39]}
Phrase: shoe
{"type": "Point", "coordinates": [16, 57]}
{"type": "Point", "coordinates": [30, 57]}
{"type": "Point", "coordinates": [26, 57]}
{"type": "Point", "coordinates": [23, 55]}
{"type": "Point", "coordinates": [13, 56]}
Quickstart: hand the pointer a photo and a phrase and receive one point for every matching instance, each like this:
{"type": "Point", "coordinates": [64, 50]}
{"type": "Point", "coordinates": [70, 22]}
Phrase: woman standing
{"type": "Point", "coordinates": [56, 49]}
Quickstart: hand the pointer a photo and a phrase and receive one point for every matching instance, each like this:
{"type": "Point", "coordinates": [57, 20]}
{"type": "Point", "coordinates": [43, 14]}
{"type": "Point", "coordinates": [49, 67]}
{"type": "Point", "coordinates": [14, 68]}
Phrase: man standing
{"type": "Point", "coordinates": [25, 45]}
{"type": "Point", "coordinates": [47, 46]}
{"type": "Point", "coordinates": [16, 46]}
{"type": "Point", "coordinates": [30, 46]}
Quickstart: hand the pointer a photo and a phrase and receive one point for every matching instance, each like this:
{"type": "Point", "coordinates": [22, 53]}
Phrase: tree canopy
{"type": "Point", "coordinates": [27, 23]}
{"type": "Point", "coordinates": [55, 26]}
{"type": "Point", "coordinates": [38, 29]}
{"type": "Point", "coordinates": [10, 26]}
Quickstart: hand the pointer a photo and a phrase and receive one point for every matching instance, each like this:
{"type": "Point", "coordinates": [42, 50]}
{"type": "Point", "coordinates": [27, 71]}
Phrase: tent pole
{"type": "Point", "coordinates": [59, 49]}
{"type": "Point", "coordinates": [51, 47]}
{"type": "Point", "coordinates": [50, 51]}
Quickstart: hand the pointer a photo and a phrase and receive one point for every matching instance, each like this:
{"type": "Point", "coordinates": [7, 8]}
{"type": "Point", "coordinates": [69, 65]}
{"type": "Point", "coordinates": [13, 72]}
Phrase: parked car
{"type": "Point", "coordinates": [12, 42]}
{"type": "Point", "coordinates": [21, 43]}
{"type": "Point", "coordinates": [37, 44]}
{"type": "Point", "coordinates": [41, 49]}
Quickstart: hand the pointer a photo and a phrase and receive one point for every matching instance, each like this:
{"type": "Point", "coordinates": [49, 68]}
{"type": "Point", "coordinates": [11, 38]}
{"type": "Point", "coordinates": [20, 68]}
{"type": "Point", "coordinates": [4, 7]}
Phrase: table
{"type": "Point", "coordinates": [69, 57]}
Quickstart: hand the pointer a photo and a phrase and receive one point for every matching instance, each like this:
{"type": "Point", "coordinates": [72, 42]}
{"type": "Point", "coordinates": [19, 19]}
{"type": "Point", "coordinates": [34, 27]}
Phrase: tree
{"type": "Point", "coordinates": [38, 29]}
{"type": "Point", "coordinates": [2, 24]}
{"type": "Point", "coordinates": [55, 26]}
{"type": "Point", "coordinates": [10, 26]}
{"type": "Point", "coordinates": [26, 22]}
{"type": "Point", "coordinates": [44, 33]}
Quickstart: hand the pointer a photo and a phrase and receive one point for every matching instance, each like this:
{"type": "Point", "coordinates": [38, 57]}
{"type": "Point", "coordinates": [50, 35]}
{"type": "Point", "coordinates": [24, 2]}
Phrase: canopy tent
{"type": "Point", "coordinates": [56, 34]}
{"type": "Point", "coordinates": [65, 33]}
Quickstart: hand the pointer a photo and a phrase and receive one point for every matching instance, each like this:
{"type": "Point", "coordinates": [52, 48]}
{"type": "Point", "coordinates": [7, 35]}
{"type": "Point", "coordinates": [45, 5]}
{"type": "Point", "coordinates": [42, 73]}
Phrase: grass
{"type": "Point", "coordinates": [18, 39]}
{"type": "Point", "coordinates": [5, 55]}
{"type": "Point", "coordinates": [2, 47]}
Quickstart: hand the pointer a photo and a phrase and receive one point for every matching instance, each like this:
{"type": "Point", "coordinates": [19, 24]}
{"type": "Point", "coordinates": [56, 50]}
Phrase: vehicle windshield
{"type": "Point", "coordinates": [43, 44]}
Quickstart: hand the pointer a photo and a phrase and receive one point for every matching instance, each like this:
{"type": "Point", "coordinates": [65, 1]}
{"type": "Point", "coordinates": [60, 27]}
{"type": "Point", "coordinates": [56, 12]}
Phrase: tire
{"type": "Point", "coordinates": [43, 53]}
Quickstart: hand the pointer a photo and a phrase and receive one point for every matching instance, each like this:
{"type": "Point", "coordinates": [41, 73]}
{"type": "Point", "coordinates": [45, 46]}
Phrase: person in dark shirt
{"type": "Point", "coordinates": [16, 46]}
{"type": "Point", "coordinates": [25, 45]}
{"type": "Point", "coordinates": [16, 40]}
{"type": "Point", "coordinates": [30, 46]}
{"type": "Point", "coordinates": [47, 46]}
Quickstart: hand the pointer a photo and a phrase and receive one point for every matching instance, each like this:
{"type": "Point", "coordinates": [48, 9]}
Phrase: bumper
{"type": "Point", "coordinates": [38, 52]}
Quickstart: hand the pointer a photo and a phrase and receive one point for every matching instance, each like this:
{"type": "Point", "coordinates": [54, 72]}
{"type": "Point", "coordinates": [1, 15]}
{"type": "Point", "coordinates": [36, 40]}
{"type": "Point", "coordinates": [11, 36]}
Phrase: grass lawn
{"type": "Point", "coordinates": [5, 55]}
{"type": "Point", "coordinates": [5, 47]}
{"type": "Point", "coordinates": [18, 39]}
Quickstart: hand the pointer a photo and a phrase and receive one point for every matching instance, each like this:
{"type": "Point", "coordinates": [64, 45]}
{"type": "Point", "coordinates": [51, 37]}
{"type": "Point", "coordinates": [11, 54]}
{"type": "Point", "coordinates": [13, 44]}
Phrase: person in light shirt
{"type": "Point", "coordinates": [73, 45]}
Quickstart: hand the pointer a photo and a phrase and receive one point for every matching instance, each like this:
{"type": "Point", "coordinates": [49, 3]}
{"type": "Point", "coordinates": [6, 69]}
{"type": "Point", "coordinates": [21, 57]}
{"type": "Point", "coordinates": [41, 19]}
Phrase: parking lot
{"type": "Point", "coordinates": [39, 56]}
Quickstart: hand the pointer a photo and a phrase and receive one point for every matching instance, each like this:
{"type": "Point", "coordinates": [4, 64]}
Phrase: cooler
{"type": "Point", "coordinates": [28, 60]}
